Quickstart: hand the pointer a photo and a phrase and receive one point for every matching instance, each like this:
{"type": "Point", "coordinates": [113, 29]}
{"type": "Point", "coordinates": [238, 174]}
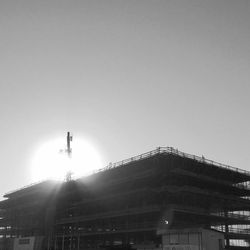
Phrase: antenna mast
{"type": "Point", "coordinates": [69, 149]}
{"type": "Point", "coordinates": [69, 153]}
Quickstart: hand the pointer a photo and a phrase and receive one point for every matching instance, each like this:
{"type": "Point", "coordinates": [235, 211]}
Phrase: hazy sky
{"type": "Point", "coordinates": [128, 75]}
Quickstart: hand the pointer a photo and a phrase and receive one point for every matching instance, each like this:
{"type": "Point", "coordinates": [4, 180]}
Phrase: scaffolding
{"type": "Point", "coordinates": [126, 203]}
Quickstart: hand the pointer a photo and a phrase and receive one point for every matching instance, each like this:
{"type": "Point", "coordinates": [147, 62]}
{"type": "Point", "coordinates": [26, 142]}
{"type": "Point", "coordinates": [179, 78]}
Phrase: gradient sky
{"type": "Point", "coordinates": [128, 75]}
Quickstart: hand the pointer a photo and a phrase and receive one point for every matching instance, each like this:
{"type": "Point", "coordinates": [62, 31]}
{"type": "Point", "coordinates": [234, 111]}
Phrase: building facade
{"type": "Point", "coordinates": [134, 204]}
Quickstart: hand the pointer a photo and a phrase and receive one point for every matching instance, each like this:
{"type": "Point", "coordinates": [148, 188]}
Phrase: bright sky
{"type": "Point", "coordinates": [128, 76]}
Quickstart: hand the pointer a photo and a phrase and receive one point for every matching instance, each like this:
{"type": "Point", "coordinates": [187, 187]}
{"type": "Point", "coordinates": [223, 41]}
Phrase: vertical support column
{"type": "Point", "coordinates": [226, 229]}
{"type": "Point", "coordinates": [127, 229]}
{"type": "Point", "coordinates": [70, 244]}
{"type": "Point", "coordinates": [63, 242]}
{"type": "Point", "coordinates": [48, 246]}
{"type": "Point", "coordinates": [144, 240]}
{"type": "Point", "coordinates": [78, 242]}
{"type": "Point", "coordinates": [55, 243]}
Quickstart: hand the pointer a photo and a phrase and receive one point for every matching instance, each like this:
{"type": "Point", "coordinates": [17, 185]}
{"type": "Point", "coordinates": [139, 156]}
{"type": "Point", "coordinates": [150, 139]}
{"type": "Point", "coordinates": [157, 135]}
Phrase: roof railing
{"type": "Point", "coordinates": [158, 150]}
{"type": "Point", "coordinates": [27, 186]}
{"type": "Point", "coordinates": [172, 151]}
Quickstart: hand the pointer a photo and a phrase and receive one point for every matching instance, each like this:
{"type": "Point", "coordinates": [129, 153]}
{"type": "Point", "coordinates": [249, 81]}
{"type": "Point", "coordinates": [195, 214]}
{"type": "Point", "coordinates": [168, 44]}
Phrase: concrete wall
{"type": "Point", "coordinates": [192, 239]}
{"type": "Point", "coordinates": [212, 240]}
{"type": "Point", "coordinates": [28, 243]}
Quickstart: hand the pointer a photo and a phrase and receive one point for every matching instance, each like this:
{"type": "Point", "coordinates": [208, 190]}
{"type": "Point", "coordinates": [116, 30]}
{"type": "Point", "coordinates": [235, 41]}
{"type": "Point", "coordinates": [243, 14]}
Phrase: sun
{"type": "Point", "coordinates": [50, 161]}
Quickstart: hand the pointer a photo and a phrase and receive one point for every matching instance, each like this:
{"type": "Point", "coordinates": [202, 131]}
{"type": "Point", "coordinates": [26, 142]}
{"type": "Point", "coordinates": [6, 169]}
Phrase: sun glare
{"type": "Point", "coordinates": [50, 161]}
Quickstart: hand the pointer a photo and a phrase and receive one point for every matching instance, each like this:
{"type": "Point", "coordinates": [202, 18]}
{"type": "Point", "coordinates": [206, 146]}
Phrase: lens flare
{"type": "Point", "coordinates": [51, 161]}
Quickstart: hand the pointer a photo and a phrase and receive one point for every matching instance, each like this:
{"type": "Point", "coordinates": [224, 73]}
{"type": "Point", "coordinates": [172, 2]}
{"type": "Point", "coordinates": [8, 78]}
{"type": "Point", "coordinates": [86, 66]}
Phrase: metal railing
{"type": "Point", "coordinates": [243, 185]}
{"type": "Point", "coordinates": [107, 229]}
{"type": "Point", "coordinates": [232, 215]}
{"type": "Point", "coordinates": [172, 151]}
{"type": "Point", "coordinates": [233, 229]}
{"type": "Point", "coordinates": [28, 186]}
{"type": "Point", "coordinates": [157, 151]}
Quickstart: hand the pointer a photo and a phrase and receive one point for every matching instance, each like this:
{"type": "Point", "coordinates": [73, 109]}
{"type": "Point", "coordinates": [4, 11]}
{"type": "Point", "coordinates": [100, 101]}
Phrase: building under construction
{"type": "Point", "coordinates": [163, 199]}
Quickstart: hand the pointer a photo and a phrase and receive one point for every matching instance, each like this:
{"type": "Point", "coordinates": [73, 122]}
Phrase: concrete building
{"type": "Point", "coordinates": [162, 199]}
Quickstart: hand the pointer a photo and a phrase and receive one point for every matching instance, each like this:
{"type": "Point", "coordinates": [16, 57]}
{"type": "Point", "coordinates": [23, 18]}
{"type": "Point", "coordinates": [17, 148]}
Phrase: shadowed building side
{"type": "Point", "coordinates": [135, 204]}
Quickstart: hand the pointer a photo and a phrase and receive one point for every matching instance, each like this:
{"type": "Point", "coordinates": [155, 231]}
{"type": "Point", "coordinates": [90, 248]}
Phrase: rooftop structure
{"type": "Point", "coordinates": [132, 203]}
